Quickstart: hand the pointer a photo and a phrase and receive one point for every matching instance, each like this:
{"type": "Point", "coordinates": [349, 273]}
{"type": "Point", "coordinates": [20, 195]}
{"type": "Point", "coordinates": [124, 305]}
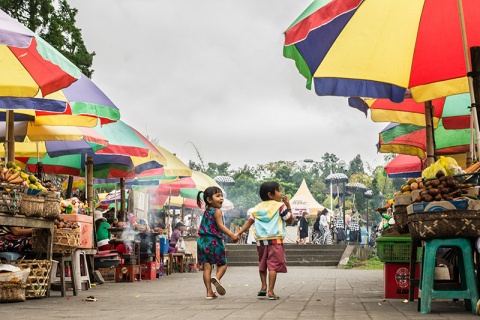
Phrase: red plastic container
{"type": "Point", "coordinates": [148, 270]}
{"type": "Point", "coordinates": [396, 278]}
{"type": "Point", "coordinates": [86, 228]}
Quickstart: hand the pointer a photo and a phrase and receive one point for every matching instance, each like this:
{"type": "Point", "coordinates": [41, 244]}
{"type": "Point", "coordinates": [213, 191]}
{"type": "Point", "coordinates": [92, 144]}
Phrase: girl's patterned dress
{"type": "Point", "coordinates": [210, 245]}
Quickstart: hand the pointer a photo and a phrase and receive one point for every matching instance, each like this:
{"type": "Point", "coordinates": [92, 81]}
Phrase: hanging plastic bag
{"type": "Point", "coordinates": [180, 246]}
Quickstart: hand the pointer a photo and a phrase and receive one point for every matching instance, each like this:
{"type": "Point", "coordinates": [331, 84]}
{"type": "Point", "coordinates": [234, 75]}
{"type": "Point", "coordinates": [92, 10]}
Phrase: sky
{"type": "Point", "coordinates": [210, 75]}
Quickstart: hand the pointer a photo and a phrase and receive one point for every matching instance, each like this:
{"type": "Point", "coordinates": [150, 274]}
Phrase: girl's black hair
{"type": "Point", "coordinates": [268, 187]}
{"type": "Point", "coordinates": [208, 193]}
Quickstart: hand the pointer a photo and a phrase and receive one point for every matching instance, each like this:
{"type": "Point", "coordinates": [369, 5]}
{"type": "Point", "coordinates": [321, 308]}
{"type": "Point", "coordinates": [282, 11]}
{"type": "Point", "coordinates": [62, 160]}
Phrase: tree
{"type": "Point", "coordinates": [356, 166]}
{"type": "Point", "coordinates": [54, 21]}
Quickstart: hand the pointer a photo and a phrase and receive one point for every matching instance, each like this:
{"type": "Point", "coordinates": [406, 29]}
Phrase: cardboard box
{"type": "Point", "coordinates": [439, 206]}
{"type": "Point", "coordinates": [86, 228]}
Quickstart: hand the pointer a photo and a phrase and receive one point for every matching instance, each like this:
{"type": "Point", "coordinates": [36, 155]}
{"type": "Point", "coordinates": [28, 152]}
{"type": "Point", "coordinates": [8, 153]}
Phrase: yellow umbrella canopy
{"type": "Point", "coordinates": [174, 166]}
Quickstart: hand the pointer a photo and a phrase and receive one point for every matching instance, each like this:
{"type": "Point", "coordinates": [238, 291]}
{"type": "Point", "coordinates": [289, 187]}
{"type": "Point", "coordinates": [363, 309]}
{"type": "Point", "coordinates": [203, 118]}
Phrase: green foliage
{"type": "Point", "coordinates": [239, 221]}
{"type": "Point", "coordinates": [351, 263]}
{"type": "Point", "coordinates": [54, 21]}
{"type": "Point", "coordinates": [372, 263]}
{"type": "Point", "coordinates": [290, 174]}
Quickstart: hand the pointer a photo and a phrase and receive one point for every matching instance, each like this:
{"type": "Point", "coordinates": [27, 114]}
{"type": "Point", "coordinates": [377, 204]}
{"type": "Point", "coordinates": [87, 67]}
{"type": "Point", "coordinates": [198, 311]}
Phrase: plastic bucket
{"type": "Point", "coordinates": [163, 245]}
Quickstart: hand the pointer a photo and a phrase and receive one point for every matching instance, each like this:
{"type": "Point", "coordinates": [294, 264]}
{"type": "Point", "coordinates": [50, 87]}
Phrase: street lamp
{"type": "Point", "coordinates": [341, 163]}
{"type": "Point", "coordinates": [368, 195]}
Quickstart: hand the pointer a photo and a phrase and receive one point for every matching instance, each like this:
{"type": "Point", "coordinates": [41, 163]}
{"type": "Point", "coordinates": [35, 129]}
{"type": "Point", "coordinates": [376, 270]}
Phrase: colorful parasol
{"type": "Point", "coordinates": [405, 166]}
{"type": "Point", "coordinates": [411, 140]}
{"type": "Point", "coordinates": [381, 48]}
{"type": "Point", "coordinates": [29, 65]}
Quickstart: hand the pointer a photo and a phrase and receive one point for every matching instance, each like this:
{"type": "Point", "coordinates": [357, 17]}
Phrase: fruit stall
{"type": "Point", "coordinates": [429, 231]}
{"type": "Point", "coordinates": [26, 201]}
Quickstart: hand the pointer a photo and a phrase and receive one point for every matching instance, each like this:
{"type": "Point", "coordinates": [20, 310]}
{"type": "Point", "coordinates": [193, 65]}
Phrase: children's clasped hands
{"type": "Point", "coordinates": [235, 237]}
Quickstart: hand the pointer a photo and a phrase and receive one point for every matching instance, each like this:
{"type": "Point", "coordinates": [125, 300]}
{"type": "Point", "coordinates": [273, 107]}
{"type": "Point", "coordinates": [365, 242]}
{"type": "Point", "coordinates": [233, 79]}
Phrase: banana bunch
{"type": "Point", "coordinates": [11, 173]}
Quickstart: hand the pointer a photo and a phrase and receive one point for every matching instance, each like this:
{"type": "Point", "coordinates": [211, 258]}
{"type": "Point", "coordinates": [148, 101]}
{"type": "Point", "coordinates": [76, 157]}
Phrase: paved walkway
{"type": "Point", "coordinates": [306, 293]}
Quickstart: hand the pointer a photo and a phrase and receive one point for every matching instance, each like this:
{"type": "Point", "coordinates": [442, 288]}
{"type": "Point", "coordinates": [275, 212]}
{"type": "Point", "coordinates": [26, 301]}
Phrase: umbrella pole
{"type": "Point", "coordinates": [89, 191]}
{"type": "Point", "coordinates": [122, 198]}
{"type": "Point", "coordinates": [430, 143]}
{"type": "Point", "coordinates": [343, 208]}
{"type": "Point", "coordinates": [10, 136]}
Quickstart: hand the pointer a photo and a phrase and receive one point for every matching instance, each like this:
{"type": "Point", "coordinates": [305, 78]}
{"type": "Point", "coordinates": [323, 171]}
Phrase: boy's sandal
{"type": "Point", "coordinates": [262, 293]}
{"type": "Point", "coordinates": [275, 297]}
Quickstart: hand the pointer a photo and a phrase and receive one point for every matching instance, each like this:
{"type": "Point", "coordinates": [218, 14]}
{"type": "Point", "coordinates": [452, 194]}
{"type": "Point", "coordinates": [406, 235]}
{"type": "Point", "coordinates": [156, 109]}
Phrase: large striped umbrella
{"type": "Point", "coordinates": [29, 65]}
{"type": "Point", "coordinates": [410, 139]}
{"type": "Point", "coordinates": [381, 48]}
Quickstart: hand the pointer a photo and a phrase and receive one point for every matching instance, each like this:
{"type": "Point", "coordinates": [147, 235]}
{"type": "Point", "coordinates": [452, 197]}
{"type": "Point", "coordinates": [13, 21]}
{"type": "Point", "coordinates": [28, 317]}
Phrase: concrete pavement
{"type": "Point", "coordinates": [305, 292]}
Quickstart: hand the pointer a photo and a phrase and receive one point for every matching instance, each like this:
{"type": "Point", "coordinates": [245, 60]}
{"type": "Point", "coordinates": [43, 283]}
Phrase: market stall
{"type": "Point", "coordinates": [432, 221]}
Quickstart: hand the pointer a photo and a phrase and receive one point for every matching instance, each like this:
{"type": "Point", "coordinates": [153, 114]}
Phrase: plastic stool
{"type": "Point", "coordinates": [10, 255]}
{"type": "Point", "coordinates": [468, 285]}
{"type": "Point", "coordinates": [63, 258]}
{"type": "Point", "coordinates": [79, 270]}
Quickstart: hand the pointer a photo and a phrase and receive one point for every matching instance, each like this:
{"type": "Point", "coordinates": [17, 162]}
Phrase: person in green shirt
{"type": "Point", "coordinates": [103, 235]}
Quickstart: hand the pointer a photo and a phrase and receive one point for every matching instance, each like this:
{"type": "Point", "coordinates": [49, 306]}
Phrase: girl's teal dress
{"type": "Point", "coordinates": [210, 244]}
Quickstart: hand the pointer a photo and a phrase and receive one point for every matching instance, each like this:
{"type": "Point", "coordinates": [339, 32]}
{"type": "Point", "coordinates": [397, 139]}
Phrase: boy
{"type": "Point", "coordinates": [270, 217]}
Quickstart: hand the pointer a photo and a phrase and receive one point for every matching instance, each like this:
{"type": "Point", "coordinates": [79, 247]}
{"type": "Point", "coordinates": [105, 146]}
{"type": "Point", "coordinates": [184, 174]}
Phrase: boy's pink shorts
{"type": "Point", "coordinates": [272, 257]}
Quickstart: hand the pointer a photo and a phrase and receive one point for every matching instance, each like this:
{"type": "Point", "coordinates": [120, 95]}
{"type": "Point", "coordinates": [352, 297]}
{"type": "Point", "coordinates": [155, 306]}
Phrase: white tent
{"type": "Point", "coordinates": [304, 201]}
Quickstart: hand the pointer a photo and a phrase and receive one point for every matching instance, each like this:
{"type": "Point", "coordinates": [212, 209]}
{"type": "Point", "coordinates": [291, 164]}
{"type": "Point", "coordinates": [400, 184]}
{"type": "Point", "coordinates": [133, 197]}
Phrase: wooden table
{"type": "Point", "coordinates": [31, 222]}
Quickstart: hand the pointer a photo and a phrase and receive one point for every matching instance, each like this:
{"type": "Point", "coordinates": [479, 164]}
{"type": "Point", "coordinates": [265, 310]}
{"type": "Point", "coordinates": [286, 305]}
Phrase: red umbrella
{"type": "Point", "coordinates": [405, 166]}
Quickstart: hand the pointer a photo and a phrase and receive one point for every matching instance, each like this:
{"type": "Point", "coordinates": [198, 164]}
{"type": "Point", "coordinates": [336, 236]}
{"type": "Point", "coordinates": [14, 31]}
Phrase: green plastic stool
{"type": "Point", "coordinates": [468, 285]}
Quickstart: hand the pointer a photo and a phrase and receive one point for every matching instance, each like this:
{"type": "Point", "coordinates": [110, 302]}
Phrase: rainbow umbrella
{"type": "Point", "coordinates": [202, 182]}
{"type": "Point", "coordinates": [381, 48]}
{"type": "Point", "coordinates": [453, 110]}
{"type": "Point", "coordinates": [84, 104]}
{"type": "Point", "coordinates": [36, 140]}
{"type": "Point", "coordinates": [128, 152]}
{"type": "Point", "coordinates": [411, 139]}
{"type": "Point", "coordinates": [29, 65]}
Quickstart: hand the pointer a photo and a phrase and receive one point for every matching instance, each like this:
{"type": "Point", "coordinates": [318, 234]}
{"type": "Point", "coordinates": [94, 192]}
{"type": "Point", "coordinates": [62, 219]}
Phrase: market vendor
{"type": "Point", "coordinates": [102, 235]}
{"type": "Point", "coordinates": [16, 239]}
{"type": "Point", "coordinates": [176, 235]}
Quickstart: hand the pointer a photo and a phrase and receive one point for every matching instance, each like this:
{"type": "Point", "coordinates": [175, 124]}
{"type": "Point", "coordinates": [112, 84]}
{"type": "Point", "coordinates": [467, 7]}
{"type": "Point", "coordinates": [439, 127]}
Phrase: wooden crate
{"type": "Point", "coordinates": [108, 274]}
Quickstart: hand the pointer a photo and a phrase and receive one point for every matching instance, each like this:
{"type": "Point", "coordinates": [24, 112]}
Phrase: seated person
{"type": "Point", "coordinates": [16, 239]}
{"type": "Point", "coordinates": [176, 235]}
{"type": "Point", "coordinates": [103, 235]}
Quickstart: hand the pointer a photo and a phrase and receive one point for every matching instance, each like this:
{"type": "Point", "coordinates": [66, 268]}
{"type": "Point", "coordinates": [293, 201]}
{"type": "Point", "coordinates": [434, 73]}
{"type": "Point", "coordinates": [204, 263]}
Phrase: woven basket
{"type": "Point", "coordinates": [32, 206]}
{"type": "Point", "coordinates": [444, 224]}
{"type": "Point", "coordinates": [401, 219]}
{"type": "Point", "coordinates": [37, 281]}
{"type": "Point", "coordinates": [12, 291]}
{"type": "Point", "coordinates": [11, 197]}
{"type": "Point", "coordinates": [64, 240]}
{"type": "Point", "coordinates": [51, 208]}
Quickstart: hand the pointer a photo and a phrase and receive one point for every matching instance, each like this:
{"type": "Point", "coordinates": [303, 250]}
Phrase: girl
{"type": "Point", "coordinates": [210, 245]}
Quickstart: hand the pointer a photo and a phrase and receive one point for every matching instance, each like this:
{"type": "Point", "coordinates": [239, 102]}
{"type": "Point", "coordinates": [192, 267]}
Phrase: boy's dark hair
{"type": "Point", "coordinates": [268, 187]}
{"type": "Point", "coordinates": [208, 193]}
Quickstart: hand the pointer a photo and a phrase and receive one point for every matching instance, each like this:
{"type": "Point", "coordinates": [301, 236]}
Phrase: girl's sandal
{"type": "Point", "coordinates": [275, 297]}
{"type": "Point", "coordinates": [211, 297]}
{"type": "Point", "coordinates": [218, 285]}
